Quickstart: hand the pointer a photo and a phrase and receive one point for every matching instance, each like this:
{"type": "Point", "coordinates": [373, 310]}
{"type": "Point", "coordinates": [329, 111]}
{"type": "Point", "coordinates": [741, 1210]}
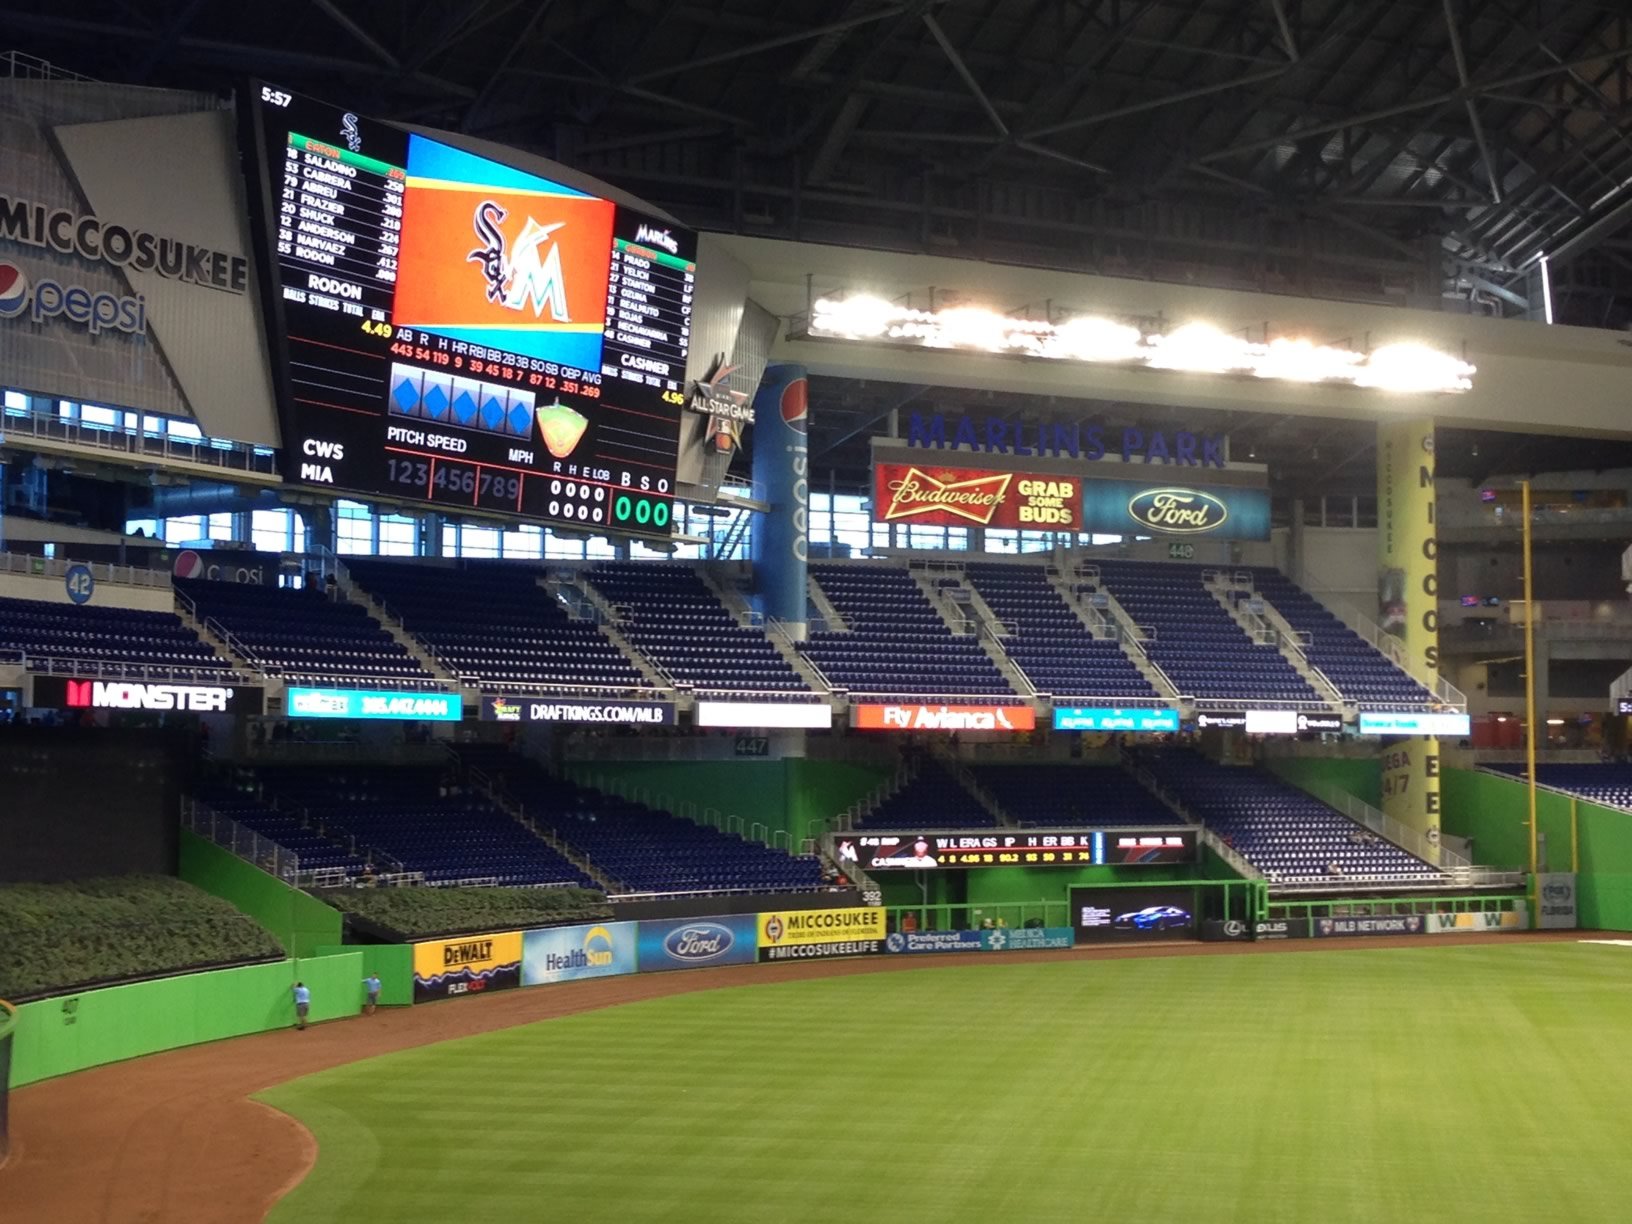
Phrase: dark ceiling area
{"type": "Point", "coordinates": [1418, 152]}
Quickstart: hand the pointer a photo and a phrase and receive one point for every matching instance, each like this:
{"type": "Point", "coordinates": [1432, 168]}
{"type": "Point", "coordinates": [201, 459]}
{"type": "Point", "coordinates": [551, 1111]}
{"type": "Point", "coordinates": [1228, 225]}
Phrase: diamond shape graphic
{"type": "Point", "coordinates": [521, 419]}
{"type": "Point", "coordinates": [464, 406]}
{"type": "Point", "coordinates": [435, 399]}
{"type": "Point", "coordinates": [493, 412]}
{"type": "Point", "coordinates": [404, 392]}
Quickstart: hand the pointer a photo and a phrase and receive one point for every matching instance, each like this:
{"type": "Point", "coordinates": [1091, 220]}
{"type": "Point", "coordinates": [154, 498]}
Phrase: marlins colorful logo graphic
{"type": "Point", "coordinates": [535, 282]}
{"type": "Point", "coordinates": [525, 278]}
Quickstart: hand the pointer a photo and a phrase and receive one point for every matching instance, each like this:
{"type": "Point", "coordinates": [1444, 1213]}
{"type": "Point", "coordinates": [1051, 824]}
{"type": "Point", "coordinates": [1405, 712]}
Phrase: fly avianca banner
{"type": "Point", "coordinates": [910, 716]}
{"type": "Point", "coordinates": [937, 496]}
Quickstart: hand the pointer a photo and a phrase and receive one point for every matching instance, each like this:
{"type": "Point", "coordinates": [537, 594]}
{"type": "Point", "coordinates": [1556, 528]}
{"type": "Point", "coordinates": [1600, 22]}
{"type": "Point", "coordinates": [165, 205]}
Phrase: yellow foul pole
{"type": "Point", "coordinates": [1530, 691]}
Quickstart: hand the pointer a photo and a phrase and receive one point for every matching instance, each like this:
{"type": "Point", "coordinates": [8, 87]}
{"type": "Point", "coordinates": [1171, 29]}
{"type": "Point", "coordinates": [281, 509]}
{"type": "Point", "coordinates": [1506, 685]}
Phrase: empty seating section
{"type": "Point", "coordinates": [1290, 836]}
{"type": "Point", "coordinates": [493, 625]}
{"type": "Point", "coordinates": [315, 849]}
{"type": "Point", "coordinates": [1607, 783]}
{"type": "Point", "coordinates": [930, 799]}
{"type": "Point", "coordinates": [897, 644]}
{"type": "Point", "coordinates": [641, 849]}
{"type": "Point", "coordinates": [304, 635]}
{"type": "Point", "coordinates": [99, 639]}
{"type": "Point", "coordinates": [421, 819]}
{"type": "Point", "coordinates": [1071, 796]}
{"type": "Point", "coordinates": [1360, 671]}
{"type": "Point", "coordinates": [675, 620]}
{"type": "Point", "coordinates": [1050, 643]}
{"type": "Point", "coordinates": [1197, 643]}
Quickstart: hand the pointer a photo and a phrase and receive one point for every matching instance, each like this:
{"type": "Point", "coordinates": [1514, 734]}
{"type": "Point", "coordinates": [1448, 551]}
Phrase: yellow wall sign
{"type": "Point", "coordinates": [785, 928]}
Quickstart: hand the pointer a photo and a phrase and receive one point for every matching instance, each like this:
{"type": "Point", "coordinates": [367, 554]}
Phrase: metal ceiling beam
{"type": "Point", "coordinates": [770, 44]}
{"type": "Point", "coordinates": [1287, 41]}
{"type": "Point", "coordinates": [1472, 109]}
{"type": "Point", "coordinates": [907, 395]}
{"type": "Point", "coordinates": [1405, 108]}
{"type": "Point", "coordinates": [497, 73]}
{"type": "Point", "coordinates": [363, 38]}
{"type": "Point", "coordinates": [1138, 108]}
{"type": "Point", "coordinates": [962, 69]}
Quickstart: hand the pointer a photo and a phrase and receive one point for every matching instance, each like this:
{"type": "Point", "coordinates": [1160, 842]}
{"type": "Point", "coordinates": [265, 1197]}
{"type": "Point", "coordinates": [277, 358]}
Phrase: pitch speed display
{"type": "Point", "coordinates": [456, 330]}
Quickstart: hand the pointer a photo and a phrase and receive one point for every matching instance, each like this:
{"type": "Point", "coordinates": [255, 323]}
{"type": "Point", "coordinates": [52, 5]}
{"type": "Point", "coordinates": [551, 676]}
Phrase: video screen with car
{"type": "Point", "coordinates": [1129, 915]}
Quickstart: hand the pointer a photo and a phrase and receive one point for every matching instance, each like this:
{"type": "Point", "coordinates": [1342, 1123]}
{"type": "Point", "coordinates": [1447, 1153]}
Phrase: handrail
{"type": "Point", "coordinates": [67, 665]}
{"type": "Point", "coordinates": [779, 628]}
{"type": "Point", "coordinates": [1386, 643]}
{"type": "Point", "coordinates": [1384, 825]}
{"type": "Point", "coordinates": [35, 566]}
{"type": "Point", "coordinates": [229, 834]}
{"type": "Point", "coordinates": [145, 444]}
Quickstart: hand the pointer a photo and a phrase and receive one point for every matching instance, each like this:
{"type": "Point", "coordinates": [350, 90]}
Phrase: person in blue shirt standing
{"type": "Point", "coordinates": [371, 983]}
{"type": "Point", "coordinates": [303, 1004]}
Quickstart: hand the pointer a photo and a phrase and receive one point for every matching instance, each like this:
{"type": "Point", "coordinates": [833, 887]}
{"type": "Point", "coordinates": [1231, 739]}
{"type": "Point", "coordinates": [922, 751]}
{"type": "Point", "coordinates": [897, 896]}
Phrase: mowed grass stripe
{"type": "Point", "coordinates": [1431, 1084]}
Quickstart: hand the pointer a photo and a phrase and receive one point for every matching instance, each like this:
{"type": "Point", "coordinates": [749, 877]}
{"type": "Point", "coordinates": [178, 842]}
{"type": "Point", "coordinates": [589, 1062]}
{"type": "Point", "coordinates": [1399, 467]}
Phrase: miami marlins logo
{"type": "Point", "coordinates": [524, 277]}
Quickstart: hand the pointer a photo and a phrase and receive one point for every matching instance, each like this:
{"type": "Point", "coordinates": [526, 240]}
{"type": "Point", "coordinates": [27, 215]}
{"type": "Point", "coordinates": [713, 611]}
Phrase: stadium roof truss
{"type": "Point", "coordinates": [1368, 149]}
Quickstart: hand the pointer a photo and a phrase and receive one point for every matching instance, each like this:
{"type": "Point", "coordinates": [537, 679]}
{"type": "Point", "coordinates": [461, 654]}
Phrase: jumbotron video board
{"type": "Point", "coordinates": [455, 330]}
{"type": "Point", "coordinates": [1035, 848]}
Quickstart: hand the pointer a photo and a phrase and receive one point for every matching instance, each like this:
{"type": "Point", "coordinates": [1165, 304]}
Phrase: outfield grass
{"type": "Point", "coordinates": [1433, 1084]}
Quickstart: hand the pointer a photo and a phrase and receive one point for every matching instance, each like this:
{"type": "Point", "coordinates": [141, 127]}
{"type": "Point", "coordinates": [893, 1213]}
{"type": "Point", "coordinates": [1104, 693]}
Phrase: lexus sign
{"type": "Point", "coordinates": [52, 692]}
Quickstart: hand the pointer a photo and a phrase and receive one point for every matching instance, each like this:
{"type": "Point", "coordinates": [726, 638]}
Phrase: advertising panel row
{"type": "Point", "coordinates": [1008, 496]}
{"type": "Point", "coordinates": [480, 963]}
{"type": "Point", "coordinates": [1304, 927]}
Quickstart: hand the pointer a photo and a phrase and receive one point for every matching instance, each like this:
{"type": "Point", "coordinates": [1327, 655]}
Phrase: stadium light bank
{"type": "Point", "coordinates": [1193, 347]}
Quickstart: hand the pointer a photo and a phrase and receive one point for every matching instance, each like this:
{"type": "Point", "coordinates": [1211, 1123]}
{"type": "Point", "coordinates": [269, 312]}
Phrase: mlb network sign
{"type": "Point", "coordinates": [371, 705]}
{"type": "Point", "coordinates": [51, 692]}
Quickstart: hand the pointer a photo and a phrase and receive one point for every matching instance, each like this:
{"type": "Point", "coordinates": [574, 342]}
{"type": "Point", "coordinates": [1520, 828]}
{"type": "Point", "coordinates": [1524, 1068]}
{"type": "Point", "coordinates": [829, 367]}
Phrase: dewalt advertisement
{"type": "Point", "coordinates": [471, 964]}
{"type": "Point", "coordinates": [817, 933]}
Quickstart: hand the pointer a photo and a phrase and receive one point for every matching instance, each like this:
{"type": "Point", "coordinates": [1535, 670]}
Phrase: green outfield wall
{"type": "Point", "coordinates": [73, 1032]}
{"type": "Point", "coordinates": [301, 922]}
{"type": "Point", "coordinates": [795, 797]}
{"type": "Point", "coordinates": [1494, 812]}
{"type": "Point", "coordinates": [393, 962]}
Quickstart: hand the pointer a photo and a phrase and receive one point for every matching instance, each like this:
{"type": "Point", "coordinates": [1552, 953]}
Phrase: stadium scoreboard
{"type": "Point", "coordinates": [459, 331]}
{"type": "Point", "coordinates": [1035, 848]}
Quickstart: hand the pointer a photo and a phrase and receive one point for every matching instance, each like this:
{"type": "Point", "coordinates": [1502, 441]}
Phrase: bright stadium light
{"type": "Point", "coordinates": [1194, 347]}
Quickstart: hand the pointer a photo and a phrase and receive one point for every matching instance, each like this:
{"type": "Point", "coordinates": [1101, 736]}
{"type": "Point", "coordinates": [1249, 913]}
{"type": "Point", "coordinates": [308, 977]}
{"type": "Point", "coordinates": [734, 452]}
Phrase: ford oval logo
{"type": "Point", "coordinates": [699, 941]}
{"type": "Point", "coordinates": [1177, 510]}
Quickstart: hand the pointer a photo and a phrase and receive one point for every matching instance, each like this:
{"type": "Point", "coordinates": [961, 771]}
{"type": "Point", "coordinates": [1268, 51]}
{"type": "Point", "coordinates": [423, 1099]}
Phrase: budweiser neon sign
{"type": "Point", "coordinates": [953, 497]}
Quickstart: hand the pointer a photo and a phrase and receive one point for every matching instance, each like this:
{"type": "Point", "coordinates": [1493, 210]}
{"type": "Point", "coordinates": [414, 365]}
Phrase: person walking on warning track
{"type": "Point", "coordinates": [303, 1005]}
{"type": "Point", "coordinates": [371, 983]}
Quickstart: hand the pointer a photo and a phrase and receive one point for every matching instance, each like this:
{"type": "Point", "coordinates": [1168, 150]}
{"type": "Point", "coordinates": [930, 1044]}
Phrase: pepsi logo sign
{"type": "Point", "coordinates": [796, 404]}
{"type": "Point", "coordinates": [1177, 510]}
{"type": "Point", "coordinates": [96, 312]}
{"type": "Point", "coordinates": [698, 942]}
{"type": "Point", "coordinates": [13, 290]}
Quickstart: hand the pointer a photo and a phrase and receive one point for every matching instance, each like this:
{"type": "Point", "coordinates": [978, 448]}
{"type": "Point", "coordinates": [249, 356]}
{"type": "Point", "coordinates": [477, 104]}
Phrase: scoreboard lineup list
{"type": "Point", "coordinates": [339, 220]}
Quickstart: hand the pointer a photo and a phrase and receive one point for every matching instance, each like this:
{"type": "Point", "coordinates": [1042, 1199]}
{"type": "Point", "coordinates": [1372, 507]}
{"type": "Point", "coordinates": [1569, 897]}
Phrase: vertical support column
{"type": "Point", "coordinates": [1408, 595]}
{"type": "Point", "coordinates": [781, 477]}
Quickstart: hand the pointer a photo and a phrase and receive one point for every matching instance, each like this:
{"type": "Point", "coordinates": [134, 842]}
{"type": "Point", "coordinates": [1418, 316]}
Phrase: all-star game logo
{"type": "Point", "coordinates": [528, 274]}
{"type": "Point", "coordinates": [727, 410]}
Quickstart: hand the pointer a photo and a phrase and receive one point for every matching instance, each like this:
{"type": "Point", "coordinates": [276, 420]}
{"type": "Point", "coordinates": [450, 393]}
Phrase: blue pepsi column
{"type": "Point", "coordinates": [781, 478]}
